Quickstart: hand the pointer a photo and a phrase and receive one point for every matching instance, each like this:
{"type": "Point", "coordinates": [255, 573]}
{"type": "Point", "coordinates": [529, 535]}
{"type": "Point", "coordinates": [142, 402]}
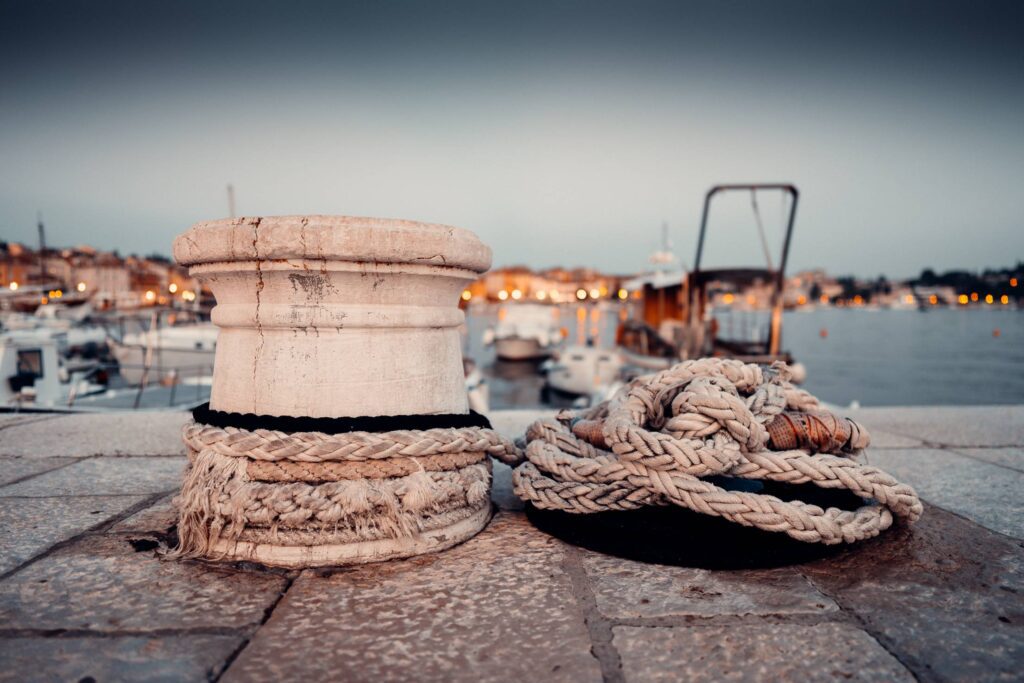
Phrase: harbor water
{"type": "Point", "coordinates": [940, 356]}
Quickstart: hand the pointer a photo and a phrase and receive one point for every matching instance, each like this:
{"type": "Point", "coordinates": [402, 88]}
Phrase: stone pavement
{"type": "Point", "coordinates": [84, 595]}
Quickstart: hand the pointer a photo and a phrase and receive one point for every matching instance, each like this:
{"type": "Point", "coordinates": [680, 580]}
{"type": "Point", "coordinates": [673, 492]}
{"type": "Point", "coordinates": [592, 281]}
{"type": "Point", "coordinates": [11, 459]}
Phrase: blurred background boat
{"type": "Point", "coordinates": [525, 332]}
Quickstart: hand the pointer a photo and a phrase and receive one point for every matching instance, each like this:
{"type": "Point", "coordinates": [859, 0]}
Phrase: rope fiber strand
{"type": "Point", "coordinates": [656, 440]}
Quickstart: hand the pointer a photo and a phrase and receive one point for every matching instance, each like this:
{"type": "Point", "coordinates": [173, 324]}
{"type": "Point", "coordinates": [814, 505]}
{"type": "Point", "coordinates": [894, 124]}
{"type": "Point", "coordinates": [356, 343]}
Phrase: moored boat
{"type": "Point", "coordinates": [524, 332]}
{"type": "Point", "coordinates": [700, 314]}
{"type": "Point", "coordinates": [583, 370]}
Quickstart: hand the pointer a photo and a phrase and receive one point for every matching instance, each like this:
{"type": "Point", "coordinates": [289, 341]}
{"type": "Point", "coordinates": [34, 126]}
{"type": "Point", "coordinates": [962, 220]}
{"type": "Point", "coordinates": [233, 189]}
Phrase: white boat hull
{"type": "Point", "coordinates": [584, 371]}
{"type": "Point", "coordinates": [518, 348]}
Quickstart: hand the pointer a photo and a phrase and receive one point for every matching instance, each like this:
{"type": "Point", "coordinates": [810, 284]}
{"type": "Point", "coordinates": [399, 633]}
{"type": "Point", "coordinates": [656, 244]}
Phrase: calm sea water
{"type": "Point", "coordinates": [876, 358]}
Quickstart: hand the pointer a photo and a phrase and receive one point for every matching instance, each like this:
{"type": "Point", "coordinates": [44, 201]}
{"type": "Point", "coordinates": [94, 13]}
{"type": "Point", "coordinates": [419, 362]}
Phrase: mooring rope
{"type": "Point", "coordinates": [657, 440]}
{"type": "Point", "coordinates": [313, 488]}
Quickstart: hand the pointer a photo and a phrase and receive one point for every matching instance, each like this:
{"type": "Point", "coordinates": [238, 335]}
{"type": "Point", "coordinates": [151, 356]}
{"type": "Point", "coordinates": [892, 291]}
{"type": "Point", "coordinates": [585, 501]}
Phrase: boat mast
{"type": "Point", "coordinates": [42, 246]}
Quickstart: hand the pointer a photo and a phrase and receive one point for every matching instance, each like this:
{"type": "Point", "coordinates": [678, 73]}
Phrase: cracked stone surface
{"type": "Point", "coordinates": [497, 607]}
{"type": "Point", "coordinates": [85, 594]}
{"type": "Point", "coordinates": [30, 526]}
{"type": "Point", "coordinates": [1012, 458]}
{"type": "Point", "coordinates": [158, 518]}
{"type": "Point", "coordinates": [628, 590]}
{"type": "Point", "coordinates": [143, 658]}
{"type": "Point", "coordinates": [950, 425]}
{"type": "Point", "coordinates": [11, 419]}
{"type": "Point", "coordinates": [756, 652]}
{"type": "Point", "coordinates": [987, 494]}
{"type": "Point", "coordinates": [13, 469]}
{"type": "Point", "coordinates": [86, 434]}
{"type": "Point", "coordinates": [101, 476]}
{"type": "Point", "coordinates": [102, 584]}
{"type": "Point", "coordinates": [945, 594]}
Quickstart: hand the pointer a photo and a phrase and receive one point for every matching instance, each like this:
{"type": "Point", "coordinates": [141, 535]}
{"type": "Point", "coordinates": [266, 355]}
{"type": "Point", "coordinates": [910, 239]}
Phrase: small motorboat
{"type": "Point", "coordinates": [36, 371]}
{"type": "Point", "coordinates": [524, 332]}
{"type": "Point", "coordinates": [582, 370]}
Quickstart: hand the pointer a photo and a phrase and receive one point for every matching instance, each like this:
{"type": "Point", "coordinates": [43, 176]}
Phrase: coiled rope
{"type": "Point", "coordinates": [656, 441]}
{"type": "Point", "coordinates": [246, 488]}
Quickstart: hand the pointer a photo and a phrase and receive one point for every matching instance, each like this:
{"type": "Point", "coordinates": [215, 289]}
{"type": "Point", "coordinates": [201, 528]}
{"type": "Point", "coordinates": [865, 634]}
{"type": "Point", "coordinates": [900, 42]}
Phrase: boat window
{"type": "Point", "coordinates": [199, 345]}
{"type": "Point", "coordinates": [30, 362]}
{"type": "Point", "coordinates": [576, 357]}
{"type": "Point", "coordinates": [604, 359]}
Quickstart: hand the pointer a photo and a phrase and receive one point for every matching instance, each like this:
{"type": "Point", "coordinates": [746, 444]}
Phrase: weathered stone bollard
{"type": "Point", "coordinates": [338, 429]}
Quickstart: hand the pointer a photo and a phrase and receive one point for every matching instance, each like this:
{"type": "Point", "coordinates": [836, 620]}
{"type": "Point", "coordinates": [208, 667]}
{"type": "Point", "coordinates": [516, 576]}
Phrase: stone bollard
{"type": "Point", "coordinates": [338, 430]}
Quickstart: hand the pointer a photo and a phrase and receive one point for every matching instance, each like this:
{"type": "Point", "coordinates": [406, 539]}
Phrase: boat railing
{"type": "Point", "coordinates": [178, 380]}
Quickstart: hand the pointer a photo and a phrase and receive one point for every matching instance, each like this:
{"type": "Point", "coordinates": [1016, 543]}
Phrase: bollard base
{"type": "Point", "coordinates": [357, 552]}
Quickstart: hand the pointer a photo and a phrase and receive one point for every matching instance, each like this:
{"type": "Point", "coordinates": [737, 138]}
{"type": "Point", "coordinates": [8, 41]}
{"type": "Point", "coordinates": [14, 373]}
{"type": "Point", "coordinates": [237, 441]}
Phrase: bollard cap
{"type": "Point", "coordinates": [331, 238]}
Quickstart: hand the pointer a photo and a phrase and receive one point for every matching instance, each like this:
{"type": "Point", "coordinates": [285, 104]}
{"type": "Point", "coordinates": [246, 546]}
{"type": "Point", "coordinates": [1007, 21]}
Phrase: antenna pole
{"type": "Point", "coordinates": [231, 200]}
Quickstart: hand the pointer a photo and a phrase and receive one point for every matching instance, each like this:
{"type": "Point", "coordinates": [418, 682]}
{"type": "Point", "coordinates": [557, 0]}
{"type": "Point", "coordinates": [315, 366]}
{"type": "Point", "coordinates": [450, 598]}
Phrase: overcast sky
{"type": "Point", "coordinates": [560, 132]}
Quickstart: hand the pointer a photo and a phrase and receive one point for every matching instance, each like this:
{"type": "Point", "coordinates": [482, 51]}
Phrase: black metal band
{"type": "Point", "coordinates": [337, 425]}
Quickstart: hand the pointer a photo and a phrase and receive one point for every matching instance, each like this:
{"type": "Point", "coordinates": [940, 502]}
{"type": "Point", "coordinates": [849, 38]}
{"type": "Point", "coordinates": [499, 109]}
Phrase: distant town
{"type": "Point", "coordinates": [32, 277]}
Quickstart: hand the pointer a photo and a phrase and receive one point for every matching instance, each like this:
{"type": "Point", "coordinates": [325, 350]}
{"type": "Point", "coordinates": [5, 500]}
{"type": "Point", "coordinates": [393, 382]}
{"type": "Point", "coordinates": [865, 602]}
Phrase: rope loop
{"type": "Point", "coordinates": [656, 441]}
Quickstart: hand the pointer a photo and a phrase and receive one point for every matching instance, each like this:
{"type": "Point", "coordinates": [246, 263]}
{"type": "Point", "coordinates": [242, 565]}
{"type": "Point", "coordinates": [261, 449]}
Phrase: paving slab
{"type": "Point", "coordinates": [169, 658]}
{"type": "Point", "coordinates": [11, 419]}
{"type": "Point", "coordinates": [497, 608]}
{"type": "Point", "coordinates": [990, 495]}
{"type": "Point", "coordinates": [755, 652]}
{"type": "Point", "coordinates": [102, 584]}
{"type": "Point", "coordinates": [87, 434]}
{"type": "Point", "coordinates": [949, 425]}
{"type": "Point", "coordinates": [13, 469]}
{"type": "Point", "coordinates": [30, 526]}
{"type": "Point", "coordinates": [1012, 458]}
{"type": "Point", "coordinates": [946, 596]}
{"type": "Point", "coordinates": [884, 439]}
{"type": "Point", "coordinates": [632, 590]}
{"type": "Point", "coordinates": [160, 518]}
{"type": "Point", "coordinates": [105, 476]}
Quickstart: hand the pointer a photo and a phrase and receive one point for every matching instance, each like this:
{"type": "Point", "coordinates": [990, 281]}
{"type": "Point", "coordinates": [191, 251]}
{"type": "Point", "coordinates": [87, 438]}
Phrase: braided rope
{"type": "Point", "coordinates": [266, 444]}
{"type": "Point", "coordinates": [311, 489]}
{"type": "Point", "coordinates": [654, 442]}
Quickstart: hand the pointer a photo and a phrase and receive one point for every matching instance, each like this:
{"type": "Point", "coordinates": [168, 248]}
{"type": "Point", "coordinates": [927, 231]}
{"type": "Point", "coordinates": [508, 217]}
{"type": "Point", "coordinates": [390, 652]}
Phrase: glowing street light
{"type": "Point", "coordinates": [595, 293]}
{"type": "Point", "coordinates": [623, 294]}
{"type": "Point", "coordinates": [581, 294]}
{"type": "Point", "coordinates": [80, 287]}
{"type": "Point", "coordinates": [13, 286]}
{"type": "Point", "coordinates": [503, 295]}
{"type": "Point", "coordinates": [466, 295]}
{"type": "Point", "coordinates": [150, 295]}
{"type": "Point", "coordinates": [173, 287]}
{"type": "Point", "coordinates": [516, 294]}
{"type": "Point", "coordinates": [988, 298]}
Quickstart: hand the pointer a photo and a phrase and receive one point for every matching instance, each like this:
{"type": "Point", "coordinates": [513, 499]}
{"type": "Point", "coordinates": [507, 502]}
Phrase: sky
{"type": "Point", "coordinates": [562, 133]}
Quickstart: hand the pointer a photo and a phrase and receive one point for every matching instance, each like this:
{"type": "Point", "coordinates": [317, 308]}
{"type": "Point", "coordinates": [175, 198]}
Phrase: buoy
{"type": "Point", "coordinates": [823, 333]}
{"type": "Point", "coordinates": [996, 332]}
